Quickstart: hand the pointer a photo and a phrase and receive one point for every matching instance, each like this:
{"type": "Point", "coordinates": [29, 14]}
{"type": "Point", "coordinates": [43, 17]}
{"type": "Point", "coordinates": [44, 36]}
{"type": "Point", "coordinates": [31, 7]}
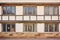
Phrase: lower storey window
{"type": "Point", "coordinates": [8, 27]}
{"type": "Point", "coordinates": [29, 27]}
{"type": "Point", "coordinates": [51, 28]}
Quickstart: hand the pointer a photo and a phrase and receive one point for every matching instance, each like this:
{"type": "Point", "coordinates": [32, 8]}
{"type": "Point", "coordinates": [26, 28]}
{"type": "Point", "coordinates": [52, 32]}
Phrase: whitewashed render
{"type": "Point", "coordinates": [43, 1]}
{"type": "Point", "coordinates": [4, 17]}
{"type": "Point", "coordinates": [0, 18]}
{"type": "Point", "coordinates": [40, 27]}
{"type": "Point", "coordinates": [40, 10]}
{"type": "Point", "coordinates": [59, 17]}
{"type": "Point", "coordinates": [0, 10]}
{"type": "Point", "coordinates": [47, 17]}
{"type": "Point", "coordinates": [59, 10]}
{"type": "Point", "coordinates": [0, 27]}
{"type": "Point", "coordinates": [54, 17]}
{"type": "Point", "coordinates": [32, 17]}
{"type": "Point", "coordinates": [19, 10]}
{"type": "Point", "coordinates": [40, 17]}
{"type": "Point", "coordinates": [19, 18]}
{"type": "Point", "coordinates": [11, 17]}
{"type": "Point", "coordinates": [26, 17]}
{"type": "Point", "coordinates": [19, 27]}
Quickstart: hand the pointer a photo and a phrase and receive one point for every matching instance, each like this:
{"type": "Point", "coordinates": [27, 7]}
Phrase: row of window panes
{"type": "Point", "coordinates": [30, 10]}
{"type": "Point", "coordinates": [30, 27]}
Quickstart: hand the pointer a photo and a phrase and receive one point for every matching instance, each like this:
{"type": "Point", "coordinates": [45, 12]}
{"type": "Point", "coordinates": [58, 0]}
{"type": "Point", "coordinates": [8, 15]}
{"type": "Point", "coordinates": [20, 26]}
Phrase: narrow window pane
{"type": "Point", "coordinates": [25, 27]}
{"type": "Point", "coordinates": [25, 11]}
{"type": "Point", "coordinates": [33, 27]}
{"type": "Point", "coordinates": [29, 28]}
{"type": "Point", "coordinates": [4, 10]}
{"type": "Point", "coordinates": [34, 11]}
{"type": "Point", "coordinates": [55, 10]}
{"type": "Point", "coordinates": [12, 27]}
{"type": "Point", "coordinates": [4, 28]}
{"type": "Point", "coordinates": [8, 10]}
{"type": "Point", "coordinates": [46, 10]}
{"type": "Point", "coordinates": [50, 28]}
{"type": "Point", "coordinates": [46, 28]}
{"type": "Point", "coordinates": [56, 28]}
{"type": "Point", "coordinates": [8, 27]}
{"type": "Point", "coordinates": [50, 10]}
{"type": "Point", "coordinates": [12, 9]}
{"type": "Point", "coordinates": [30, 10]}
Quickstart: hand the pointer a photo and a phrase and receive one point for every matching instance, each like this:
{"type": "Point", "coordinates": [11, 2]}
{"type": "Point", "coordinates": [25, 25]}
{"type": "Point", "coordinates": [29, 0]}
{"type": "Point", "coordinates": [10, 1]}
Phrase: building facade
{"type": "Point", "coordinates": [30, 18]}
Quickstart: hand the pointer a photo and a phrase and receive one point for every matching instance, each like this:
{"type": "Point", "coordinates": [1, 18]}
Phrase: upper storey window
{"type": "Point", "coordinates": [51, 10]}
{"type": "Point", "coordinates": [8, 10]}
{"type": "Point", "coordinates": [29, 10]}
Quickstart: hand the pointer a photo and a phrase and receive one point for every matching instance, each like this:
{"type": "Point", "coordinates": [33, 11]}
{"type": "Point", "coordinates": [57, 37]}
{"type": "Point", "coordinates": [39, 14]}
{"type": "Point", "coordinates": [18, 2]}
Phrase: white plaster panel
{"type": "Point", "coordinates": [19, 18]}
{"type": "Point", "coordinates": [4, 17]}
{"type": "Point", "coordinates": [19, 10]}
{"type": "Point", "coordinates": [19, 27]}
{"type": "Point", "coordinates": [40, 17]}
{"type": "Point", "coordinates": [40, 27]}
{"type": "Point", "coordinates": [59, 10]}
{"type": "Point", "coordinates": [26, 17]}
{"type": "Point", "coordinates": [59, 17]}
{"type": "Point", "coordinates": [40, 10]}
{"type": "Point", "coordinates": [11, 17]}
{"type": "Point", "coordinates": [47, 17]}
{"type": "Point", "coordinates": [54, 17]}
{"type": "Point", "coordinates": [0, 10]}
{"type": "Point", "coordinates": [32, 17]}
{"type": "Point", "coordinates": [0, 18]}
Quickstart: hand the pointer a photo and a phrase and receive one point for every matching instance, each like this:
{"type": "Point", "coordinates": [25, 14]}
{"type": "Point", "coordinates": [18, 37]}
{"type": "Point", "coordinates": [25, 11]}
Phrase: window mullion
{"type": "Point", "coordinates": [32, 11]}
{"type": "Point", "coordinates": [48, 27]}
{"type": "Point", "coordinates": [27, 11]}
{"type": "Point", "coordinates": [53, 27]}
{"type": "Point", "coordinates": [6, 27]}
{"type": "Point", "coordinates": [27, 27]}
{"type": "Point", "coordinates": [32, 27]}
{"type": "Point", "coordinates": [53, 11]}
{"type": "Point", "coordinates": [6, 10]}
{"type": "Point", "coordinates": [48, 11]}
{"type": "Point", "coordinates": [10, 27]}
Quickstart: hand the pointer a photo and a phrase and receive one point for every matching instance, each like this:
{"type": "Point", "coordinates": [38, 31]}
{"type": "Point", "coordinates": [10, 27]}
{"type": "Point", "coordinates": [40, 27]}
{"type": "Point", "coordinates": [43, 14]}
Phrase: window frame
{"type": "Point", "coordinates": [53, 31]}
{"type": "Point", "coordinates": [7, 27]}
{"type": "Point", "coordinates": [53, 11]}
{"type": "Point", "coordinates": [11, 10]}
{"type": "Point", "coordinates": [33, 29]}
{"type": "Point", "coordinates": [35, 13]}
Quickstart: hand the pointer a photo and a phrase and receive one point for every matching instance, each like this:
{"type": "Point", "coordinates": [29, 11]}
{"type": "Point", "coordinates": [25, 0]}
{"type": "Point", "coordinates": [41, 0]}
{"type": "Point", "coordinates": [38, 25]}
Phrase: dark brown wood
{"type": "Point", "coordinates": [56, 4]}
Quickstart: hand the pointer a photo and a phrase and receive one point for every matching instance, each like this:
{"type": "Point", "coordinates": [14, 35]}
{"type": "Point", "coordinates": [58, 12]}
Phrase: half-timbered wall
{"type": "Point", "coordinates": [19, 16]}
